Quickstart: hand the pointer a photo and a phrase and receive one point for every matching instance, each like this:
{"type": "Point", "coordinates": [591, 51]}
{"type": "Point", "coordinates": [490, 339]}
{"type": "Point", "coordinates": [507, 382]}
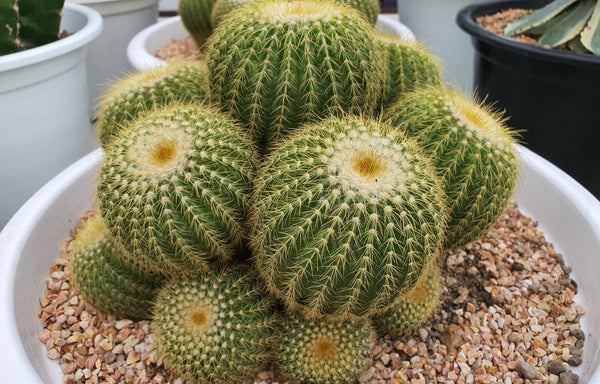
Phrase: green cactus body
{"type": "Point", "coordinates": [101, 274]}
{"type": "Point", "coordinates": [195, 15]}
{"type": "Point", "coordinates": [347, 216]}
{"type": "Point", "coordinates": [472, 151]}
{"type": "Point", "coordinates": [173, 188]}
{"type": "Point", "coordinates": [409, 66]}
{"type": "Point", "coordinates": [224, 7]}
{"type": "Point", "coordinates": [278, 64]}
{"type": "Point", "coordinates": [323, 352]}
{"type": "Point", "coordinates": [143, 91]}
{"type": "Point", "coordinates": [410, 312]}
{"type": "Point", "coordinates": [215, 329]}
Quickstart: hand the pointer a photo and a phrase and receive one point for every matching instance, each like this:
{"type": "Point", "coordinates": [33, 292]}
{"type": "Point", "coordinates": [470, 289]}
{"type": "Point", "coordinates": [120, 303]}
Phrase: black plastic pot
{"type": "Point", "coordinates": [553, 96]}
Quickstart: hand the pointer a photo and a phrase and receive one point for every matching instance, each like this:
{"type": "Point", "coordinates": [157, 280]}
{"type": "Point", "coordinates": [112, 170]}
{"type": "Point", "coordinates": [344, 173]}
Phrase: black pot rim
{"type": "Point", "coordinates": [466, 21]}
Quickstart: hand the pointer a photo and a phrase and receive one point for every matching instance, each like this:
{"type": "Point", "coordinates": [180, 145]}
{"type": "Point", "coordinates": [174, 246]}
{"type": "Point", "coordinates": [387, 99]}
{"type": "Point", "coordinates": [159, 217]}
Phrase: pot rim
{"type": "Point", "coordinates": [112, 7]}
{"type": "Point", "coordinates": [80, 38]}
{"type": "Point", "coordinates": [466, 21]}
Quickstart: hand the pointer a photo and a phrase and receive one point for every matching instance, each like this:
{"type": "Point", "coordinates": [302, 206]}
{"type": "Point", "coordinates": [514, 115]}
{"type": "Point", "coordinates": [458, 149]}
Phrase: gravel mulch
{"type": "Point", "coordinates": [507, 316]}
{"type": "Point", "coordinates": [179, 50]}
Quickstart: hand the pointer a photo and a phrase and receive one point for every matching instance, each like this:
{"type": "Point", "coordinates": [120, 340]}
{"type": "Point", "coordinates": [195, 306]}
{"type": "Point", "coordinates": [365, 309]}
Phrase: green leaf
{"type": "Point", "coordinates": [541, 29]}
{"type": "Point", "coordinates": [590, 36]}
{"type": "Point", "coordinates": [570, 26]}
{"type": "Point", "coordinates": [576, 46]}
{"type": "Point", "coordinates": [8, 27]}
{"type": "Point", "coordinates": [40, 21]}
{"type": "Point", "coordinates": [537, 18]}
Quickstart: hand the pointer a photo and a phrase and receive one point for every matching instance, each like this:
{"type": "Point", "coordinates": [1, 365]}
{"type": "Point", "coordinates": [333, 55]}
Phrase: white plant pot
{"type": "Point", "coordinates": [107, 59]}
{"type": "Point", "coordinates": [44, 109]}
{"type": "Point", "coordinates": [168, 5]}
{"type": "Point", "coordinates": [433, 22]}
{"type": "Point", "coordinates": [142, 47]}
{"type": "Point", "coordinates": [29, 244]}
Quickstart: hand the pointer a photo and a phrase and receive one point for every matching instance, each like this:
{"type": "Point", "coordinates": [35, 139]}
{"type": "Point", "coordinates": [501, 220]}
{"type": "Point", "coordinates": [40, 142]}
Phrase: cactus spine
{"type": "Point", "coordinates": [195, 15]}
{"type": "Point", "coordinates": [409, 66]}
{"type": "Point", "coordinates": [347, 216]}
{"type": "Point", "coordinates": [102, 275]}
{"type": "Point", "coordinates": [173, 188]}
{"type": "Point", "coordinates": [324, 352]}
{"type": "Point", "coordinates": [277, 64]}
{"type": "Point", "coordinates": [410, 312]}
{"type": "Point", "coordinates": [215, 329]}
{"type": "Point", "coordinates": [143, 91]}
{"type": "Point", "coordinates": [473, 153]}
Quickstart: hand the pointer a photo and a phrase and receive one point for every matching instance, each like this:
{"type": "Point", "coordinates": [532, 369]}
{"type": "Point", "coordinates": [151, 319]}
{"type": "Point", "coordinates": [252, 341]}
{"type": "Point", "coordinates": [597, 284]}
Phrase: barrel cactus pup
{"type": "Point", "coordinates": [323, 352]}
{"type": "Point", "coordinates": [347, 215]}
{"type": "Point", "coordinates": [174, 188]}
{"type": "Point", "coordinates": [185, 81]}
{"type": "Point", "coordinates": [473, 151]}
{"type": "Point", "coordinates": [218, 328]}
{"type": "Point", "coordinates": [102, 274]}
{"type": "Point", "coordinates": [195, 15]}
{"type": "Point", "coordinates": [277, 64]}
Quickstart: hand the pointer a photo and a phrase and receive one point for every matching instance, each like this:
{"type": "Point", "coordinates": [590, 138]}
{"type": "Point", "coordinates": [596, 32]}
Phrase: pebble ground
{"type": "Point", "coordinates": [507, 315]}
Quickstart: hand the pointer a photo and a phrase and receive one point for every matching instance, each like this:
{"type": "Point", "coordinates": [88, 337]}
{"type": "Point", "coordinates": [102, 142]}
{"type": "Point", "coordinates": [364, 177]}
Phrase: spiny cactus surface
{"type": "Point", "coordinates": [277, 64]}
{"type": "Point", "coordinates": [473, 152]}
{"type": "Point", "coordinates": [323, 352]}
{"type": "Point", "coordinates": [140, 92]}
{"type": "Point", "coordinates": [409, 66]}
{"type": "Point", "coordinates": [215, 329]}
{"type": "Point", "coordinates": [224, 7]}
{"type": "Point", "coordinates": [100, 273]}
{"type": "Point", "coordinates": [195, 15]}
{"type": "Point", "coordinates": [173, 188]}
{"type": "Point", "coordinates": [347, 217]}
{"type": "Point", "coordinates": [411, 311]}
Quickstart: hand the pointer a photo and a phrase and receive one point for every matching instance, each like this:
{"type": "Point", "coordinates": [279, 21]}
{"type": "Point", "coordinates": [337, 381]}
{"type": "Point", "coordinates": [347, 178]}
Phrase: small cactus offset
{"type": "Point", "coordinates": [195, 15]}
{"type": "Point", "coordinates": [410, 312]}
{"type": "Point", "coordinates": [101, 274]}
{"type": "Point", "coordinates": [28, 24]}
{"type": "Point", "coordinates": [409, 66]}
{"type": "Point", "coordinates": [143, 91]}
{"type": "Point", "coordinates": [215, 329]}
{"type": "Point", "coordinates": [472, 151]}
{"type": "Point", "coordinates": [323, 352]}
{"type": "Point", "coordinates": [173, 188]}
{"type": "Point", "coordinates": [278, 64]}
{"type": "Point", "coordinates": [348, 213]}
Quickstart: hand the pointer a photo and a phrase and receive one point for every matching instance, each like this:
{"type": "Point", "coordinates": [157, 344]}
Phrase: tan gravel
{"type": "Point", "coordinates": [507, 313]}
{"type": "Point", "coordinates": [179, 50]}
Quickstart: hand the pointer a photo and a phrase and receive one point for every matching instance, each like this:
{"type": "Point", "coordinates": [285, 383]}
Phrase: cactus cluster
{"type": "Point", "coordinates": [334, 156]}
{"type": "Point", "coordinates": [28, 24]}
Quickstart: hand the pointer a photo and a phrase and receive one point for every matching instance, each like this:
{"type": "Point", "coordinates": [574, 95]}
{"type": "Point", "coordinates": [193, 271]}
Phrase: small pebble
{"type": "Point", "coordinates": [569, 378]}
{"type": "Point", "coordinates": [526, 370]}
{"type": "Point", "coordinates": [575, 360]}
{"type": "Point", "coordinates": [555, 367]}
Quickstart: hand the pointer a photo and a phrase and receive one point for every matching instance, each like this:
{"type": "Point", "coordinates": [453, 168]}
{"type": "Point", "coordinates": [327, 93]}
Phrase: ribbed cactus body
{"type": "Point", "coordinates": [278, 64]}
{"type": "Point", "coordinates": [347, 217]}
{"type": "Point", "coordinates": [473, 153]}
{"type": "Point", "coordinates": [224, 7]}
{"type": "Point", "coordinates": [410, 312]}
{"type": "Point", "coordinates": [195, 15]}
{"type": "Point", "coordinates": [323, 352]}
{"type": "Point", "coordinates": [215, 329]}
{"type": "Point", "coordinates": [173, 188]}
{"type": "Point", "coordinates": [102, 275]}
{"type": "Point", "coordinates": [370, 9]}
{"type": "Point", "coordinates": [409, 66]}
{"type": "Point", "coordinates": [137, 93]}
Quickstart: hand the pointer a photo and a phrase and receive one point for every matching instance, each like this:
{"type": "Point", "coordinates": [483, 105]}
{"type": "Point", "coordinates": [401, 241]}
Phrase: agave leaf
{"type": "Point", "coordinates": [538, 17]}
{"type": "Point", "coordinates": [541, 29]}
{"type": "Point", "coordinates": [570, 26]}
{"type": "Point", "coordinates": [40, 20]}
{"type": "Point", "coordinates": [576, 46]}
{"type": "Point", "coordinates": [8, 27]}
{"type": "Point", "coordinates": [590, 36]}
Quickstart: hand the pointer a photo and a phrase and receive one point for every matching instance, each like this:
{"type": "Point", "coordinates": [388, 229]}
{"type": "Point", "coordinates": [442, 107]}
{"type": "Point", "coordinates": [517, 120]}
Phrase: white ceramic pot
{"type": "Point", "coordinates": [44, 109]}
{"type": "Point", "coordinates": [168, 5]}
{"type": "Point", "coordinates": [433, 22]}
{"type": "Point", "coordinates": [29, 244]}
{"type": "Point", "coordinates": [142, 47]}
{"type": "Point", "coordinates": [107, 59]}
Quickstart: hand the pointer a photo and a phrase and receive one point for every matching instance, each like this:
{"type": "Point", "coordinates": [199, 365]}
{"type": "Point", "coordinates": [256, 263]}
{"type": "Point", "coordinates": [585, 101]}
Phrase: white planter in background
{"type": "Point", "coordinates": [44, 109]}
{"type": "Point", "coordinates": [168, 5]}
{"type": "Point", "coordinates": [433, 22]}
{"type": "Point", "coordinates": [107, 59]}
{"type": "Point", "coordinates": [142, 47]}
{"type": "Point", "coordinates": [567, 213]}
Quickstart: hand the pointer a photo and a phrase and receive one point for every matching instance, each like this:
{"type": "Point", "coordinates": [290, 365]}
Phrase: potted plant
{"type": "Point", "coordinates": [432, 21]}
{"type": "Point", "coordinates": [44, 108]}
{"type": "Point", "coordinates": [550, 94]}
{"type": "Point", "coordinates": [108, 53]}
